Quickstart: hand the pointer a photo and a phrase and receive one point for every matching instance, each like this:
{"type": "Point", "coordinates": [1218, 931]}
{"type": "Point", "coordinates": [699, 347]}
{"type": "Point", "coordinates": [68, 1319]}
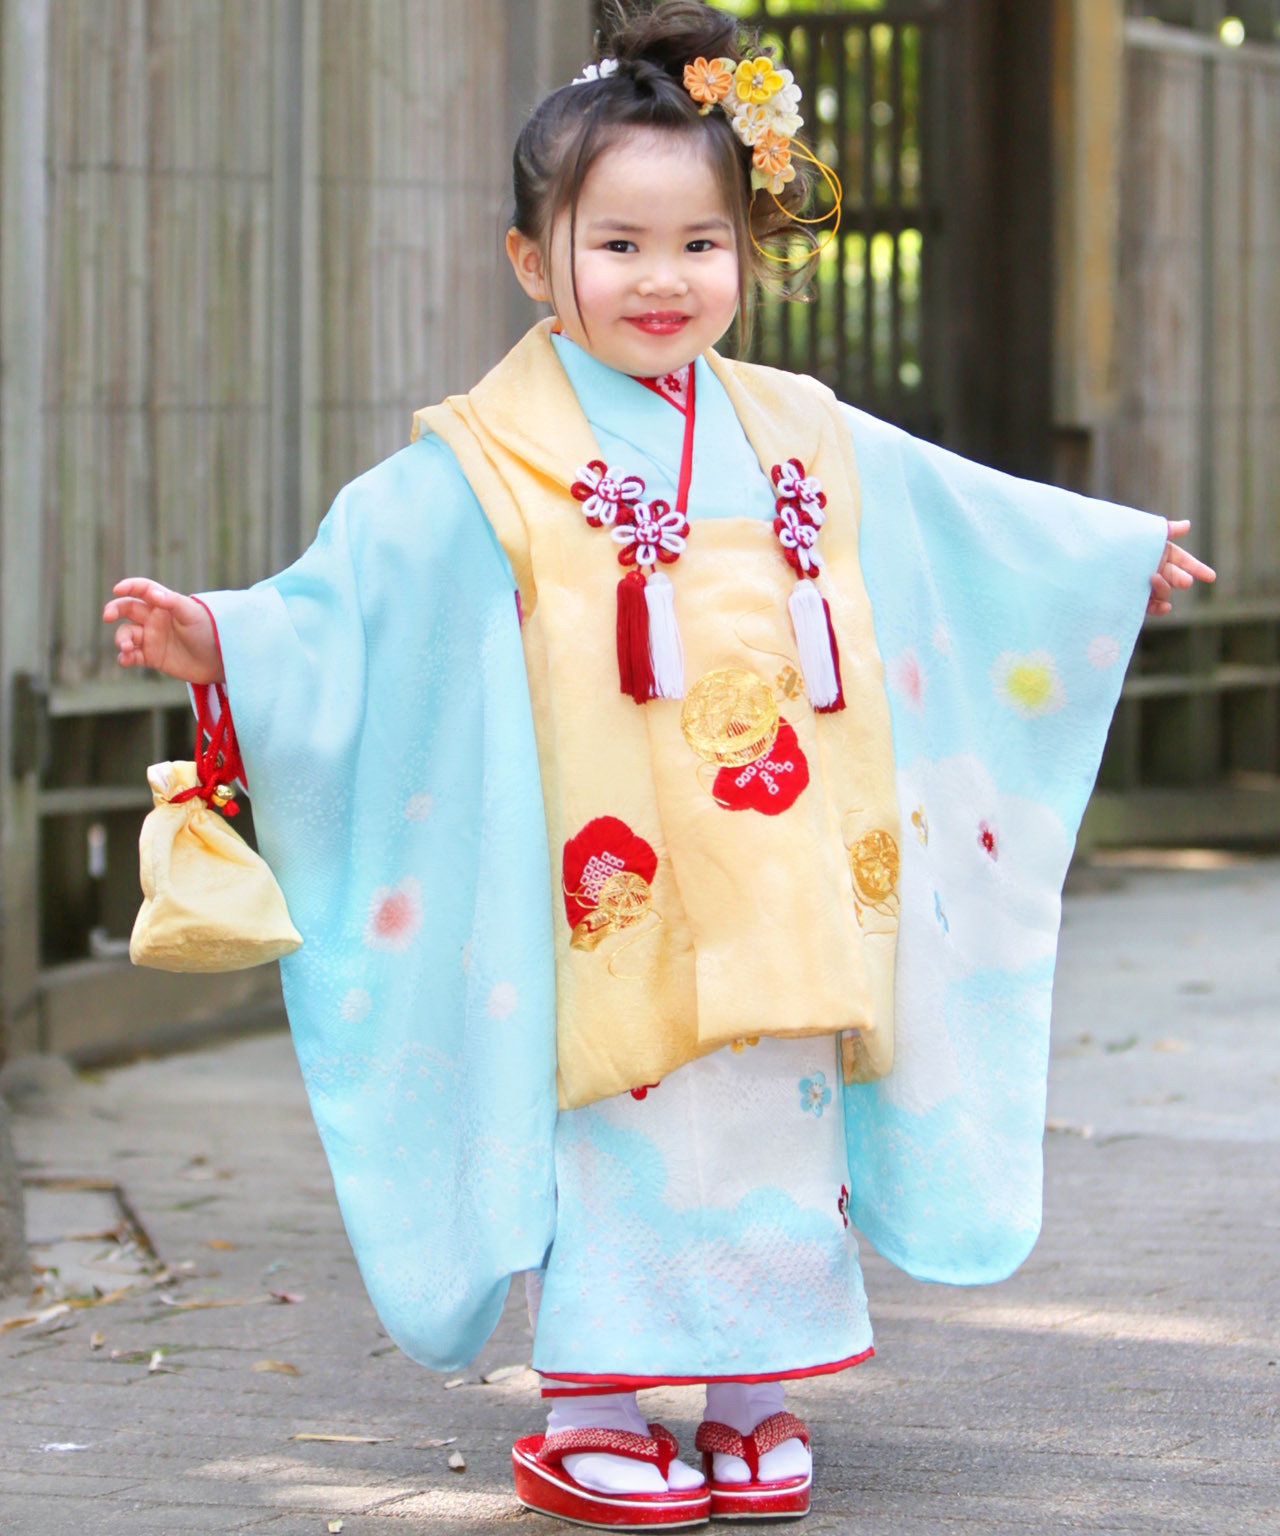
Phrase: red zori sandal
{"type": "Point", "coordinates": [542, 1484]}
{"type": "Point", "coordinates": [785, 1499]}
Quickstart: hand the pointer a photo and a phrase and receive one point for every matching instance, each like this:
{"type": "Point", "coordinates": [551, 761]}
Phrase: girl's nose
{"type": "Point", "coordinates": [663, 281]}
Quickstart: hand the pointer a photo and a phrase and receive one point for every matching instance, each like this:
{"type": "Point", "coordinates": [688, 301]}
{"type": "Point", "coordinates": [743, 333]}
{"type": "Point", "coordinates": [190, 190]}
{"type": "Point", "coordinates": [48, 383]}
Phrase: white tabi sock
{"type": "Point", "coordinates": [742, 1405]}
{"type": "Point", "coordinates": [614, 1474]}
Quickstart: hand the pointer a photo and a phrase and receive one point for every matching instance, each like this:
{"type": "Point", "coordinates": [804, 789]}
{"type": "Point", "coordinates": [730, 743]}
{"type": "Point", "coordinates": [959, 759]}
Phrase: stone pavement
{"type": "Point", "coordinates": [1125, 1380]}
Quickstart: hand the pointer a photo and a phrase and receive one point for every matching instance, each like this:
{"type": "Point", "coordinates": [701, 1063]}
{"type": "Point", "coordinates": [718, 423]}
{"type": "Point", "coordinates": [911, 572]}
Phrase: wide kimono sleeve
{"type": "Point", "coordinates": [1005, 612]}
{"type": "Point", "coordinates": [380, 698]}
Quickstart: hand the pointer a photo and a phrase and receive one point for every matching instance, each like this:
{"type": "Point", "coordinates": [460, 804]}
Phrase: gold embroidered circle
{"type": "Point", "coordinates": [624, 899]}
{"type": "Point", "coordinates": [730, 717]}
{"type": "Point", "coordinates": [875, 865]}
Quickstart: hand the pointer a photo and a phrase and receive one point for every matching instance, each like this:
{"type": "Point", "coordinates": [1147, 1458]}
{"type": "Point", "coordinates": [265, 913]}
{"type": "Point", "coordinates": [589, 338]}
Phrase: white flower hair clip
{"type": "Point", "coordinates": [601, 71]}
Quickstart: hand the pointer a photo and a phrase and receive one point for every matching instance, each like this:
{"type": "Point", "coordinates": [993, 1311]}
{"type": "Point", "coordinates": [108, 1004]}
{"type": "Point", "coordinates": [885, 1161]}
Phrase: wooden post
{"type": "Point", "coordinates": [288, 292]}
{"type": "Point", "coordinates": [1088, 101]}
{"type": "Point", "coordinates": [548, 42]}
{"type": "Point", "coordinates": [998, 173]}
{"type": "Point", "coordinates": [24, 35]}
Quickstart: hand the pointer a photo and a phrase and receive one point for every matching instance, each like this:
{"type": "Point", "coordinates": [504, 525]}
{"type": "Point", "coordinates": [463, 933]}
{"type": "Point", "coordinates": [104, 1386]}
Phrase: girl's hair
{"type": "Point", "coordinates": [575, 125]}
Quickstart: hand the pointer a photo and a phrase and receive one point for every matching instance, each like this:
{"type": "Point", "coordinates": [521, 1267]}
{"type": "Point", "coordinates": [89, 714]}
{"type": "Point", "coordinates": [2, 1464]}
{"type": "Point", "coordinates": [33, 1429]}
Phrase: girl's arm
{"type": "Point", "coordinates": [1178, 568]}
{"type": "Point", "coordinates": [164, 630]}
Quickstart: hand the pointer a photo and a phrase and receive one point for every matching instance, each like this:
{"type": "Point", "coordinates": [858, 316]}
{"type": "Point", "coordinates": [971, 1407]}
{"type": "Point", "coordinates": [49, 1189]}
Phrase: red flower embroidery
{"type": "Point", "coordinates": [650, 532]}
{"type": "Point", "coordinates": [642, 1093]}
{"type": "Point", "coordinates": [843, 1203]}
{"type": "Point", "coordinates": [804, 492]}
{"type": "Point", "coordinates": [604, 847]}
{"type": "Point", "coordinates": [799, 540]}
{"type": "Point", "coordinates": [987, 837]}
{"type": "Point", "coordinates": [605, 492]}
{"type": "Point", "coordinates": [771, 784]}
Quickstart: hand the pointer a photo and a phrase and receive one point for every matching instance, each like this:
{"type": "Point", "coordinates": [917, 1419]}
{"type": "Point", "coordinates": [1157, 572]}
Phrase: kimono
{"type": "Point", "coordinates": [697, 1227]}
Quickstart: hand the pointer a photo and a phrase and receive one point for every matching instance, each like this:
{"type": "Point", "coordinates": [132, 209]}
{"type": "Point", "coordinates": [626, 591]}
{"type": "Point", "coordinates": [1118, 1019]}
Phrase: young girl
{"type": "Point", "coordinates": [654, 927]}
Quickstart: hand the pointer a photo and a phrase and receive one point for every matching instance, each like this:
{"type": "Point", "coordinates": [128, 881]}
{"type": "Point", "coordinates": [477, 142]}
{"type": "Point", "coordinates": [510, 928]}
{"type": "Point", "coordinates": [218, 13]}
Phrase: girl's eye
{"type": "Point", "coordinates": [621, 247]}
{"type": "Point", "coordinates": [698, 246]}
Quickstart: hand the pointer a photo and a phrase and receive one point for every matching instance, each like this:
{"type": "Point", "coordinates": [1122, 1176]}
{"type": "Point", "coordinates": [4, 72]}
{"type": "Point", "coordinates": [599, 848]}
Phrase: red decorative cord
{"type": "Point", "coordinates": [218, 763]}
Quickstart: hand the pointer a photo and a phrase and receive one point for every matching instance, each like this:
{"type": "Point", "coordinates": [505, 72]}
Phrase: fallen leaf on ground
{"type": "Point", "coordinates": [220, 1243]}
{"type": "Point", "coordinates": [282, 1366]}
{"type": "Point", "coordinates": [347, 1439]}
{"type": "Point", "coordinates": [29, 1319]}
{"type": "Point", "coordinates": [434, 1445]}
{"type": "Point", "coordinates": [334, 1527]}
{"type": "Point", "coordinates": [200, 1306]}
{"type": "Point", "coordinates": [503, 1373]}
{"type": "Point", "coordinates": [1172, 1045]}
{"type": "Point", "coordinates": [457, 1461]}
{"type": "Point", "coordinates": [1069, 1128]}
{"type": "Point", "coordinates": [97, 1340]}
{"type": "Point", "coordinates": [156, 1365]}
{"type": "Point", "coordinates": [455, 1381]}
{"type": "Point", "coordinates": [288, 1296]}
{"type": "Point", "coordinates": [1114, 1047]}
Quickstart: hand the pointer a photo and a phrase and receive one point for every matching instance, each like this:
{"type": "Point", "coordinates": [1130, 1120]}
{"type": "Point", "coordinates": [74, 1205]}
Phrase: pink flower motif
{"type": "Point", "coordinates": [843, 1203]}
{"type": "Point", "coordinates": [799, 540]}
{"type": "Point", "coordinates": [650, 532]}
{"type": "Point", "coordinates": [908, 678]}
{"type": "Point", "coordinates": [395, 915]}
{"type": "Point", "coordinates": [989, 840]}
{"type": "Point", "coordinates": [603, 492]}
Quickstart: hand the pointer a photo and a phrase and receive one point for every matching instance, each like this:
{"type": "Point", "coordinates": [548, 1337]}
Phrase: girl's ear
{"type": "Point", "coordinates": [526, 262]}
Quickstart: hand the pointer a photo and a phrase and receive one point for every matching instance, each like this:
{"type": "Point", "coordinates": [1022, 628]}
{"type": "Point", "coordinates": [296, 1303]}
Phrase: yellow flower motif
{"type": "Point", "coordinates": [1028, 683]}
{"type": "Point", "coordinates": [756, 79]}
{"type": "Point", "coordinates": [708, 80]}
{"type": "Point", "coordinates": [738, 1046]}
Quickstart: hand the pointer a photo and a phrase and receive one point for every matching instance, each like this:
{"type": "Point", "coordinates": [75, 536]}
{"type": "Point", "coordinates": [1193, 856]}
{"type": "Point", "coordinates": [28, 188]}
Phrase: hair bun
{"type": "Point", "coordinates": [669, 36]}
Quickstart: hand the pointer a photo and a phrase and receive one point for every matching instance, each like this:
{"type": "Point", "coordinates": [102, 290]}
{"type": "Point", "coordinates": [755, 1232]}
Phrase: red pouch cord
{"type": "Point", "coordinates": [218, 765]}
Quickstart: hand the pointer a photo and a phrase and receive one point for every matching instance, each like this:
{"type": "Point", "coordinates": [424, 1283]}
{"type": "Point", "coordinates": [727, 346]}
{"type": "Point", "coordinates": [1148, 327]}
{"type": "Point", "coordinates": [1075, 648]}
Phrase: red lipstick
{"type": "Point", "coordinates": [659, 322]}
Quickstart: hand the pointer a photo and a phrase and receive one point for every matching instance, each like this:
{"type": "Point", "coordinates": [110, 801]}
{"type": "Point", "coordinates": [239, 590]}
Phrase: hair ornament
{"type": "Point", "coordinates": [600, 71]}
{"type": "Point", "coordinates": [762, 103]}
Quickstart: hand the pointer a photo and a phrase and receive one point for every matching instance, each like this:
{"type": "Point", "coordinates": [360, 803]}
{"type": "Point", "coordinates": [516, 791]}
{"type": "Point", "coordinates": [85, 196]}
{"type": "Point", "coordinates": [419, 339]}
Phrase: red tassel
{"type": "Point", "coordinates": [635, 669]}
{"type": "Point", "coordinates": [830, 709]}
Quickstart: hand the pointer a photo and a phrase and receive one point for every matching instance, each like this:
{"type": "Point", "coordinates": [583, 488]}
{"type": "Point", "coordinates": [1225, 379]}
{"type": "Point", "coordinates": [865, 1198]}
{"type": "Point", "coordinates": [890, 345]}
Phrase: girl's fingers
{"type": "Point", "coordinates": [118, 606]}
{"type": "Point", "coordinates": [1177, 529]}
{"type": "Point", "coordinates": [1186, 561]}
{"type": "Point", "coordinates": [1160, 588]}
{"type": "Point", "coordinates": [148, 591]}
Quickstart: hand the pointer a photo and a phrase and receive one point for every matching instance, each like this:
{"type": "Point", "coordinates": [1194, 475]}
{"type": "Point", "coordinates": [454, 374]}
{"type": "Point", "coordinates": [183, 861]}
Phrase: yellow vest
{"type": "Point", "coordinates": [721, 924]}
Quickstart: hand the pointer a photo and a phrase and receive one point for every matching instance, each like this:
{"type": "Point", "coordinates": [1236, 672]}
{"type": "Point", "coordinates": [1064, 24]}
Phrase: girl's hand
{"type": "Point", "coordinates": [1177, 569]}
{"type": "Point", "coordinates": [164, 630]}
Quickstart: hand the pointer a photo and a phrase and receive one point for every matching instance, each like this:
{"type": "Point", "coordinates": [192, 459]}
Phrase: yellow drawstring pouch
{"type": "Point", "coordinates": [209, 901]}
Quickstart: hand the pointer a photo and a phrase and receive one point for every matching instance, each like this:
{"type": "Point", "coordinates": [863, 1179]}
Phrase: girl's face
{"type": "Point", "coordinates": [657, 265]}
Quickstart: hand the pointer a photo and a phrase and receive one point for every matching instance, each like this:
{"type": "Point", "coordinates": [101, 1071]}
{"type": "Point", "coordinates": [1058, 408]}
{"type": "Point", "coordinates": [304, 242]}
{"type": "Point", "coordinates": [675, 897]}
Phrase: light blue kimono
{"type": "Point", "coordinates": [379, 695]}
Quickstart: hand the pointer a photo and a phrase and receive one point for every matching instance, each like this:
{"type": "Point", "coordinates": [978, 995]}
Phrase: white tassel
{"type": "Point", "coordinates": [813, 642]}
{"type": "Point", "coordinates": [666, 650]}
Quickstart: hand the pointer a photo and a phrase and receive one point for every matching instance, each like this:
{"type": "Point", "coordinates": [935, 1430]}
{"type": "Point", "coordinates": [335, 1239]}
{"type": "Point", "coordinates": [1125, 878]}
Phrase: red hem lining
{"type": "Point", "coordinates": [593, 1385]}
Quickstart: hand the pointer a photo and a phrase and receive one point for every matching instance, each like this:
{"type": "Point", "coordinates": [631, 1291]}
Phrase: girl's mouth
{"type": "Point", "coordinates": [659, 323]}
